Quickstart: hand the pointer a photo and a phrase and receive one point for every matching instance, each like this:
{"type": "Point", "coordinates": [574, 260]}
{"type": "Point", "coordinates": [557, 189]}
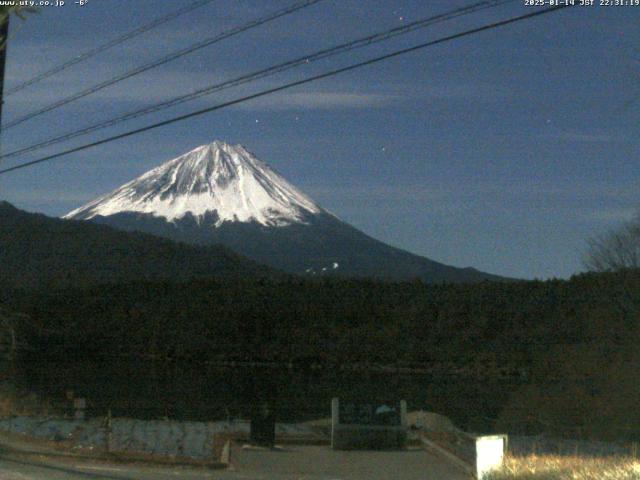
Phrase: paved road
{"type": "Point", "coordinates": [12, 468]}
{"type": "Point", "coordinates": [322, 463]}
{"type": "Point", "coordinates": [291, 463]}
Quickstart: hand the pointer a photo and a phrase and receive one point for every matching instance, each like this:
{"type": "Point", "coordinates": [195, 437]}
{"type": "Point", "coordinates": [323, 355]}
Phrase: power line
{"type": "Point", "coordinates": [163, 60]}
{"type": "Point", "coordinates": [287, 86]}
{"type": "Point", "coordinates": [116, 41]}
{"type": "Point", "coordinates": [279, 68]}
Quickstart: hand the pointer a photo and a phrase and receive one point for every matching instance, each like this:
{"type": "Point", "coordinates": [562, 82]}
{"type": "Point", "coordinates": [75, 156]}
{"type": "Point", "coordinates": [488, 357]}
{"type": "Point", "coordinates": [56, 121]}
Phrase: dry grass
{"type": "Point", "coordinates": [553, 467]}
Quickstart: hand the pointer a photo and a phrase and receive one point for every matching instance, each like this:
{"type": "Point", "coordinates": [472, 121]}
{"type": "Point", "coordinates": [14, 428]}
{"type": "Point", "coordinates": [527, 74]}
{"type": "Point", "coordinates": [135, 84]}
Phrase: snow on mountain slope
{"type": "Point", "coordinates": [219, 177]}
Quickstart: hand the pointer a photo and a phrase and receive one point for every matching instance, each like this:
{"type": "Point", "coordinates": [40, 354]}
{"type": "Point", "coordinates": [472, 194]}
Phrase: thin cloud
{"type": "Point", "coordinates": [48, 196]}
{"type": "Point", "coordinates": [584, 137]}
{"type": "Point", "coordinates": [591, 202]}
{"type": "Point", "coordinates": [320, 101]}
{"type": "Point", "coordinates": [613, 214]}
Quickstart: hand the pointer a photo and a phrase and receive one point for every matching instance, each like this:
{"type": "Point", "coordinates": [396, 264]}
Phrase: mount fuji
{"type": "Point", "coordinates": [223, 194]}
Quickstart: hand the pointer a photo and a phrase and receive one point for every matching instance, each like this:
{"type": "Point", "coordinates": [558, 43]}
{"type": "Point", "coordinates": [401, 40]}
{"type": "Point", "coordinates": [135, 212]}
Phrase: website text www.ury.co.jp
{"type": "Point", "coordinates": [41, 3]}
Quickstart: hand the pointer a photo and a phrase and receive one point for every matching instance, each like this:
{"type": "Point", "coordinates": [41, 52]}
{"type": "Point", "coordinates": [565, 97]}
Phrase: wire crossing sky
{"type": "Point", "coordinates": [162, 61]}
{"type": "Point", "coordinates": [102, 48]}
{"type": "Point", "coordinates": [504, 150]}
{"type": "Point", "coordinates": [331, 73]}
{"type": "Point", "coordinates": [299, 61]}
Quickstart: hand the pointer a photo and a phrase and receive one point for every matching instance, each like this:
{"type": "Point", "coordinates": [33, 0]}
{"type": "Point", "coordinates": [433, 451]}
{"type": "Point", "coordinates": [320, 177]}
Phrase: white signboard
{"type": "Point", "coordinates": [489, 453]}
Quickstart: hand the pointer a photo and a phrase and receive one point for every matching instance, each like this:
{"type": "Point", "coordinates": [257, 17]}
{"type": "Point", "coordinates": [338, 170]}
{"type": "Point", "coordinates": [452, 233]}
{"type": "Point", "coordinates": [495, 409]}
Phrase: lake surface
{"type": "Point", "coordinates": [184, 391]}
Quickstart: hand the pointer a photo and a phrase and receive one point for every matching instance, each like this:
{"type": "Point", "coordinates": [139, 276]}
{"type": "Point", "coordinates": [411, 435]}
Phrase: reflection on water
{"type": "Point", "coordinates": [192, 392]}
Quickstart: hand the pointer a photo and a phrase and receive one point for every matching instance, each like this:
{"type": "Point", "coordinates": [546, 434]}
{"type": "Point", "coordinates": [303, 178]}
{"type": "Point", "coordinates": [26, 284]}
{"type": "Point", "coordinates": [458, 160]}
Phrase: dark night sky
{"type": "Point", "coordinates": [504, 150]}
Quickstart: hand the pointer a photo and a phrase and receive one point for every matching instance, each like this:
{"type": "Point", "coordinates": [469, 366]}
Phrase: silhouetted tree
{"type": "Point", "coordinates": [615, 250]}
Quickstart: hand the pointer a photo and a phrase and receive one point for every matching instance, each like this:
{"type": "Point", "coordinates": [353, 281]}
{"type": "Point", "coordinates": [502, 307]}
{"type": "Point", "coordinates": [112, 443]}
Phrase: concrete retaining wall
{"type": "Point", "coordinates": [196, 440]}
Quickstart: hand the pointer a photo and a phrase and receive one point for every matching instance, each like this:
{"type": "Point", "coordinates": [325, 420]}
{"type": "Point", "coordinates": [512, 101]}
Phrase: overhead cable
{"type": "Point", "coordinates": [106, 46]}
{"type": "Point", "coordinates": [161, 61]}
{"type": "Point", "coordinates": [287, 86]}
{"type": "Point", "coordinates": [263, 73]}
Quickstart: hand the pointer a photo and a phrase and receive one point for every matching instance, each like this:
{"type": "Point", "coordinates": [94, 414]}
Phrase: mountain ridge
{"type": "Point", "coordinates": [217, 177]}
{"type": "Point", "coordinates": [222, 194]}
{"type": "Point", "coordinates": [40, 251]}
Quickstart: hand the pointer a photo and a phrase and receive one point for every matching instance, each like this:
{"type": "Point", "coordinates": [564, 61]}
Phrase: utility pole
{"type": "Point", "coordinates": [4, 37]}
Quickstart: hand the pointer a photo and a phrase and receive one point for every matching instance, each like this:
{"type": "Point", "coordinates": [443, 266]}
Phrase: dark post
{"type": "Point", "coordinates": [4, 35]}
{"type": "Point", "coordinates": [263, 426]}
{"type": "Point", "coordinates": [261, 397]}
{"type": "Point", "coordinates": [107, 432]}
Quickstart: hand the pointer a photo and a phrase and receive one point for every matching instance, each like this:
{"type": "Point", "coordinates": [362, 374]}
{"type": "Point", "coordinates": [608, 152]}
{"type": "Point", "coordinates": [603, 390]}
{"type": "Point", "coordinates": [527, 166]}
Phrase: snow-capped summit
{"type": "Point", "coordinates": [219, 178]}
{"type": "Point", "coordinates": [221, 194]}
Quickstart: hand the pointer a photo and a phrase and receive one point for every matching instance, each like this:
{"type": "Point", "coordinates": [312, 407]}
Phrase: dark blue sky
{"type": "Point", "coordinates": [504, 150]}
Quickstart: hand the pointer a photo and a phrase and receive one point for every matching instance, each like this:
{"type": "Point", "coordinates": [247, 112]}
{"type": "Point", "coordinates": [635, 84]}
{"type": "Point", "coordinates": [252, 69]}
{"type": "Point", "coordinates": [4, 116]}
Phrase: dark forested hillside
{"type": "Point", "coordinates": [554, 356]}
{"type": "Point", "coordinates": [557, 356]}
{"type": "Point", "coordinates": [343, 319]}
{"type": "Point", "coordinates": [36, 250]}
{"type": "Point", "coordinates": [323, 245]}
